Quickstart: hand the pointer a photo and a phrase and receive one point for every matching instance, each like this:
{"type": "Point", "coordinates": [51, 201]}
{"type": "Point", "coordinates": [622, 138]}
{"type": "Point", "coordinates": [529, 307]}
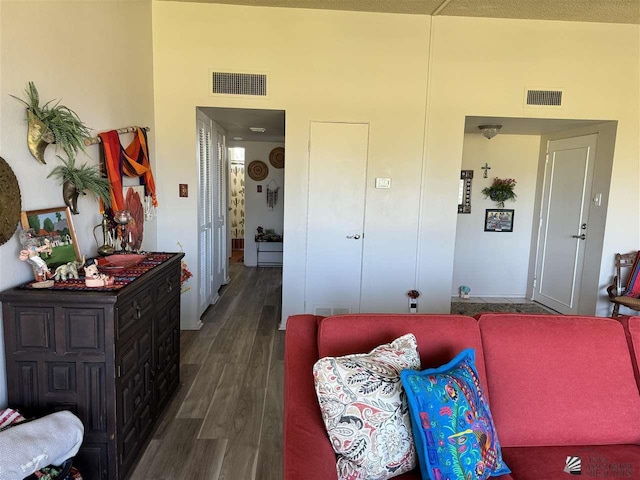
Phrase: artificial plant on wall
{"type": "Point", "coordinates": [52, 124]}
{"type": "Point", "coordinates": [500, 191]}
{"type": "Point", "coordinates": [76, 180]}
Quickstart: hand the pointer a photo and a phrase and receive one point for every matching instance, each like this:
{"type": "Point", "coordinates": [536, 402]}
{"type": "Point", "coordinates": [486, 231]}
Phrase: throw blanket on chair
{"type": "Point", "coordinates": [29, 446]}
{"type": "Point", "coordinates": [132, 161]}
{"type": "Point", "coordinates": [633, 283]}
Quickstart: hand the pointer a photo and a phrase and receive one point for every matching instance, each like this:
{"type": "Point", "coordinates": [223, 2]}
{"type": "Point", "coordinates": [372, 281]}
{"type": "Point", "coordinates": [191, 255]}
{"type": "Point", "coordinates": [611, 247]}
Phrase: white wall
{"type": "Point", "coordinates": [96, 57]}
{"type": "Point", "coordinates": [365, 67]}
{"type": "Point", "coordinates": [597, 65]}
{"type": "Point", "coordinates": [257, 213]}
{"type": "Point", "coordinates": [322, 65]}
{"type": "Point", "coordinates": [491, 263]}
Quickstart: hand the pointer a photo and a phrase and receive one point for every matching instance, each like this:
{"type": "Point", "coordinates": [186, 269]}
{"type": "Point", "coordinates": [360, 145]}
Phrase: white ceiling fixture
{"type": "Point", "coordinates": [258, 129]}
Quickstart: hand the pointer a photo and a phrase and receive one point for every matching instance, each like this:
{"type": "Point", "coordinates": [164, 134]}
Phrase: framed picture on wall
{"type": "Point", "coordinates": [498, 220]}
{"type": "Point", "coordinates": [51, 229]}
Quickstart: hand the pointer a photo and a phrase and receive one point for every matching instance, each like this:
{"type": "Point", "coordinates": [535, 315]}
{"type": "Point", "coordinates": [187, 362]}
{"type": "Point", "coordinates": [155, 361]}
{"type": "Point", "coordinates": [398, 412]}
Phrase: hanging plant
{"type": "Point", "coordinates": [52, 124]}
{"type": "Point", "coordinates": [79, 180]}
{"type": "Point", "coordinates": [501, 190]}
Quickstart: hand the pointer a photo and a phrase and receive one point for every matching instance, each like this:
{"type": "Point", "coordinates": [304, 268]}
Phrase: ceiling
{"type": "Point", "coordinates": [526, 126]}
{"type": "Point", "coordinates": [237, 122]}
{"type": "Point", "coordinates": [602, 11]}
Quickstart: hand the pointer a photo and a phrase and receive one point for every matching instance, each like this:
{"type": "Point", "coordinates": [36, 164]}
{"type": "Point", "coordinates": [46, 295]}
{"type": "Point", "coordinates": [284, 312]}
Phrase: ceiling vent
{"type": "Point", "coordinates": [543, 98]}
{"type": "Point", "coordinates": [234, 83]}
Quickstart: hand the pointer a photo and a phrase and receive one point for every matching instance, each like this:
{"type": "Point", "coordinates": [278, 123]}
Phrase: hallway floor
{"type": "Point", "coordinates": [225, 421]}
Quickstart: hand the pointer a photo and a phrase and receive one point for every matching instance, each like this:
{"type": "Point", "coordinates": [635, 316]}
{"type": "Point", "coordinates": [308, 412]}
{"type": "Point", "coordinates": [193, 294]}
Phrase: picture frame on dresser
{"type": "Point", "coordinates": [53, 227]}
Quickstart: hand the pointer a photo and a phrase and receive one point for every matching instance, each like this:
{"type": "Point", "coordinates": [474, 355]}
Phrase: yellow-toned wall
{"type": "Point", "coordinates": [322, 65]}
{"type": "Point", "coordinates": [96, 57]}
{"type": "Point", "coordinates": [348, 66]}
{"type": "Point", "coordinates": [481, 67]}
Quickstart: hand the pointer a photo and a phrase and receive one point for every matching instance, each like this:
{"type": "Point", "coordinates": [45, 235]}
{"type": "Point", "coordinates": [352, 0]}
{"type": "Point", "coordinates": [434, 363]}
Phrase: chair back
{"type": "Point", "coordinates": [623, 261]}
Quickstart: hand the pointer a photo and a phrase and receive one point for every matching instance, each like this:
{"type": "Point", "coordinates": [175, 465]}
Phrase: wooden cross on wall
{"type": "Point", "coordinates": [486, 169]}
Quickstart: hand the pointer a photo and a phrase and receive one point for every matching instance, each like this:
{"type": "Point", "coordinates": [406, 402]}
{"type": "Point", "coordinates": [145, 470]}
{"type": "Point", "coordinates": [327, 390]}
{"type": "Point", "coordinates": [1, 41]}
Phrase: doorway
{"type": "Point", "coordinates": [253, 181]}
{"type": "Point", "coordinates": [501, 266]}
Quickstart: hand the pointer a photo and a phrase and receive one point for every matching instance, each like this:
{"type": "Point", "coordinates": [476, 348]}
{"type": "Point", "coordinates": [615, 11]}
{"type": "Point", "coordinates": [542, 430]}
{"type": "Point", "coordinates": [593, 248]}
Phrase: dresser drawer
{"type": "Point", "coordinates": [131, 309]}
{"type": "Point", "coordinates": [167, 286]}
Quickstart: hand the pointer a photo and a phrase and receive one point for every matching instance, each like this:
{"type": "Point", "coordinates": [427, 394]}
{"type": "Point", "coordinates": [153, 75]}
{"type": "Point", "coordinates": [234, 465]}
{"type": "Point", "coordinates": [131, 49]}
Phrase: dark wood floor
{"type": "Point", "coordinates": [226, 420]}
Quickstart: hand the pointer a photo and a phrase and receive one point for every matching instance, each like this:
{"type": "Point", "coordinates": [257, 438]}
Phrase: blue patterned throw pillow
{"type": "Point", "coordinates": [452, 426]}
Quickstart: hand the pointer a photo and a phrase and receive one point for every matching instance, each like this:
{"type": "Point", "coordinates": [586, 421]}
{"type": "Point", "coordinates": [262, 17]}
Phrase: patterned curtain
{"type": "Point", "coordinates": [237, 203]}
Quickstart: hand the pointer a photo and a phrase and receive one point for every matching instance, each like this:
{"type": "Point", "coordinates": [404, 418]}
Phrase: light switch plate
{"type": "Point", "coordinates": [383, 183]}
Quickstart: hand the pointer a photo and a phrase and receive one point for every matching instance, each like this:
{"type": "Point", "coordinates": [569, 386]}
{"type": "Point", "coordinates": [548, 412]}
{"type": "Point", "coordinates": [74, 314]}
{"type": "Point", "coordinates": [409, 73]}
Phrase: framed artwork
{"type": "Point", "coordinates": [464, 191]}
{"type": "Point", "coordinates": [53, 231]}
{"type": "Point", "coordinates": [498, 220]}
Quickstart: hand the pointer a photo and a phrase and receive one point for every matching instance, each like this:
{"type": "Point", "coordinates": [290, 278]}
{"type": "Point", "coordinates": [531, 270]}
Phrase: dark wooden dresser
{"type": "Point", "coordinates": [110, 357]}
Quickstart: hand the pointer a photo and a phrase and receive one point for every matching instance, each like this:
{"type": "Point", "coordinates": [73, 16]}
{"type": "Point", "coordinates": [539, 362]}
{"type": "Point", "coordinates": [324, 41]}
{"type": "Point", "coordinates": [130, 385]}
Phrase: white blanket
{"type": "Point", "coordinates": [27, 447]}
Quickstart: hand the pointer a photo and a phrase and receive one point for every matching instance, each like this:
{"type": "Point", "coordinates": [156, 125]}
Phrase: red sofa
{"type": "Point", "coordinates": [557, 386]}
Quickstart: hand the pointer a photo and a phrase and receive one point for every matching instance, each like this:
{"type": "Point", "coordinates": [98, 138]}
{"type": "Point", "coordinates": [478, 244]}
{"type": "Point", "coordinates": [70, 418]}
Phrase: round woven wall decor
{"type": "Point", "coordinates": [276, 157]}
{"type": "Point", "coordinates": [10, 204]}
{"type": "Point", "coordinates": [258, 170]}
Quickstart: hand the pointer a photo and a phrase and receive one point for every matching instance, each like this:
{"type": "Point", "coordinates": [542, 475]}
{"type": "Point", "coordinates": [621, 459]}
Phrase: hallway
{"type": "Point", "coordinates": [225, 421]}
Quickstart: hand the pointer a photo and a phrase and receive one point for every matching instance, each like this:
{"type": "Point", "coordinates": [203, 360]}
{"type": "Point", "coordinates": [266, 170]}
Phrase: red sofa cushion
{"type": "Point", "coordinates": [602, 461]}
{"type": "Point", "coordinates": [440, 337]}
{"type": "Point", "coordinates": [307, 451]}
{"type": "Point", "coordinates": [632, 326]}
{"type": "Point", "coordinates": [563, 380]}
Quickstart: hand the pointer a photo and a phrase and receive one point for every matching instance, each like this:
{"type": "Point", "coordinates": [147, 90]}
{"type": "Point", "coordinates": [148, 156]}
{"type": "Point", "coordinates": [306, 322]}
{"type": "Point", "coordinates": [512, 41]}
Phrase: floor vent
{"type": "Point", "coordinates": [328, 311]}
{"type": "Point", "coordinates": [233, 83]}
{"type": "Point", "coordinates": [543, 98]}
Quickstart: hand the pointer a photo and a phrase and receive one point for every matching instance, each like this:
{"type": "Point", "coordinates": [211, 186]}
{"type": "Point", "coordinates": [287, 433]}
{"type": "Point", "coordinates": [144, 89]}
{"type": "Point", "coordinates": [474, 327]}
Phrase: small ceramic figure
{"type": "Point", "coordinates": [31, 255]}
{"type": "Point", "coordinates": [464, 291]}
{"type": "Point", "coordinates": [67, 270]}
{"type": "Point", "coordinates": [93, 278]}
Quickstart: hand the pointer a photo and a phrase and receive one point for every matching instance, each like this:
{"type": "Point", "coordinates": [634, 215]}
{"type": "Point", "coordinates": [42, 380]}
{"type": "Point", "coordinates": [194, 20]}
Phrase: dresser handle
{"type": "Point", "coordinates": [169, 286]}
{"type": "Point", "coordinates": [138, 313]}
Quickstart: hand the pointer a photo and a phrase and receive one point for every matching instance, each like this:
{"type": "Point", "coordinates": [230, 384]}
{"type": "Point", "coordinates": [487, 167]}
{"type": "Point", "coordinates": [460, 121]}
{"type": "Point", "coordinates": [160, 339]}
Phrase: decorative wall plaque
{"type": "Point", "coordinates": [10, 202]}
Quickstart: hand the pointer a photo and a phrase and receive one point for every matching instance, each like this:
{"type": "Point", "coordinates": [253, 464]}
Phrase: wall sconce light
{"type": "Point", "coordinates": [490, 131]}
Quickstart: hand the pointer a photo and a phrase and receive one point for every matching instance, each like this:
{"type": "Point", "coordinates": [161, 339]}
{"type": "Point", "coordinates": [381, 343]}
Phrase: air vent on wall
{"type": "Point", "coordinates": [543, 98]}
{"type": "Point", "coordinates": [233, 83]}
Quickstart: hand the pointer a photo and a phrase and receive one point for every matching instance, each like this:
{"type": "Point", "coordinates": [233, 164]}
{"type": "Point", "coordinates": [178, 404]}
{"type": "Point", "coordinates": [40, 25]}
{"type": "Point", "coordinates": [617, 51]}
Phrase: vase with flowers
{"type": "Point", "coordinates": [501, 190]}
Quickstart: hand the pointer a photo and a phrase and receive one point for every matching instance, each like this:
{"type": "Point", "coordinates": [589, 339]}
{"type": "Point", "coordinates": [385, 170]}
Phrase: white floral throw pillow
{"type": "Point", "coordinates": [364, 408]}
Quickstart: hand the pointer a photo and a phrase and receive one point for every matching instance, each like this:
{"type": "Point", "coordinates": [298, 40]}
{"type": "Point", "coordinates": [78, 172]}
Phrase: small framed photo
{"type": "Point", "coordinates": [498, 220]}
{"type": "Point", "coordinates": [53, 230]}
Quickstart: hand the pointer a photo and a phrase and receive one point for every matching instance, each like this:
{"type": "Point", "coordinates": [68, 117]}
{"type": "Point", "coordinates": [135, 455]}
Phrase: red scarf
{"type": "Point", "coordinates": [132, 162]}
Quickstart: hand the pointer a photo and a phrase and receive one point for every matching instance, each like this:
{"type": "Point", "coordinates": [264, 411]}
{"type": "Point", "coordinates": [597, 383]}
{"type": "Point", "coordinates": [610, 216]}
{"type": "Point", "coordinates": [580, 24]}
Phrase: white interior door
{"type": "Point", "coordinates": [335, 223]}
{"type": "Point", "coordinates": [205, 222]}
{"type": "Point", "coordinates": [220, 260]}
{"type": "Point", "coordinates": [564, 222]}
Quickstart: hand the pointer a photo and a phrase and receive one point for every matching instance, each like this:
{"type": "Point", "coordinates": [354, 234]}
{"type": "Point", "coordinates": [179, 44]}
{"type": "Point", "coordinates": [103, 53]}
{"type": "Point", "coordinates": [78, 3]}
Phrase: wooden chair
{"type": "Point", "coordinates": [623, 261]}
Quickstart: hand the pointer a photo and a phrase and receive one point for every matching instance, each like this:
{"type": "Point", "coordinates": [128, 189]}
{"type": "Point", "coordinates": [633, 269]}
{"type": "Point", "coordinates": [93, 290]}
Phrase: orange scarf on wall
{"type": "Point", "coordinates": [132, 161]}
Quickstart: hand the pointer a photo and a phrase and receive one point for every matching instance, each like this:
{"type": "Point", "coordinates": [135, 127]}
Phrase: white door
{"type": "Point", "coordinates": [564, 222]}
{"type": "Point", "coordinates": [205, 198]}
{"type": "Point", "coordinates": [220, 260]}
{"type": "Point", "coordinates": [335, 222]}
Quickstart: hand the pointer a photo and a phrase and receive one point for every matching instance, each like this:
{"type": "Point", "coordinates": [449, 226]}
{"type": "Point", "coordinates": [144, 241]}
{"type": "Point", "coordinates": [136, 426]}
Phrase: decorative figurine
{"type": "Point", "coordinates": [30, 253]}
{"type": "Point", "coordinates": [464, 291]}
{"type": "Point", "coordinates": [93, 278]}
{"type": "Point", "coordinates": [70, 269]}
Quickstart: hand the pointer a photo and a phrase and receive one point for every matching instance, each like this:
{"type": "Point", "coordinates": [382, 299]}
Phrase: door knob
{"type": "Point", "coordinates": [581, 237]}
{"type": "Point", "coordinates": [355, 236]}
